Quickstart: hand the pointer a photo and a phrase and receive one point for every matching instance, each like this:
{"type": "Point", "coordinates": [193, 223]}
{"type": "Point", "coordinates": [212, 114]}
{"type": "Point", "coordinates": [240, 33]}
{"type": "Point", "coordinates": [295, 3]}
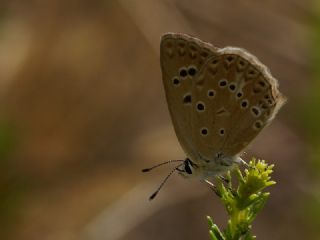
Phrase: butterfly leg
{"type": "Point", "coordinates": [229, 185]}
{"type": "Point", "coordinates": [224, 179]}
{"type": "Point", "coordinates": [212, 186]}
{"type": "Point", "coordinates": [241, 161]}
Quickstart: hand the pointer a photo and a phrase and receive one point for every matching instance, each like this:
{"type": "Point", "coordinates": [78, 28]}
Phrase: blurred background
{"type": "Point", "coordinates": [82, 111]}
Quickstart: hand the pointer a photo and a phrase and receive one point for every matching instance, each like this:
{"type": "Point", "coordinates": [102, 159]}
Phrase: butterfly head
{"type": "Point", "coordinates": [203, 168]}
{"type": "Point", "coordinates": [188, 169]}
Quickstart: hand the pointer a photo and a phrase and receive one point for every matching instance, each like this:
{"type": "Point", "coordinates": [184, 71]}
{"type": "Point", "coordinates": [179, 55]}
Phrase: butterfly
{"type": "Point", "coordinates": [219, 100]}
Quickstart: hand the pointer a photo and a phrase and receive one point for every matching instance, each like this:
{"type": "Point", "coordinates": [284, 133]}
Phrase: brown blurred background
{"type": "Point", "coordinates": [83, 110]}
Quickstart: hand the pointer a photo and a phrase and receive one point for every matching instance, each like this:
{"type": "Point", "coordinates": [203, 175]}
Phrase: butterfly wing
{"type": "Point", "coordinates": [181, 58]}
{"type": "Point", "coordinates": [235, 97]}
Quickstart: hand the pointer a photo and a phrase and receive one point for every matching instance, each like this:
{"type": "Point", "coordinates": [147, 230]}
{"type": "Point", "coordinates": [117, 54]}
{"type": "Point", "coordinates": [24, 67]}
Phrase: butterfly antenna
{"type": "Point", "coordinates": [164, 181]}
{"type": "Point", "coordinates": [160, 164]}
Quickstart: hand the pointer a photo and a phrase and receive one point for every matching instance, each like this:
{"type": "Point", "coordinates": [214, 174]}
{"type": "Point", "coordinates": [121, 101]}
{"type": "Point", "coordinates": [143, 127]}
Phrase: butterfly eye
{"type": "Point", "coordinates": [188, 169]}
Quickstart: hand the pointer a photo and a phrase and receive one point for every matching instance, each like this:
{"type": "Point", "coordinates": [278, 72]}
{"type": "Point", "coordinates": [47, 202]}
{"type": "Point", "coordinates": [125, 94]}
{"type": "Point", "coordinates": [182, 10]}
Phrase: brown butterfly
{"type": "Point", "coordinates": [219, 100]}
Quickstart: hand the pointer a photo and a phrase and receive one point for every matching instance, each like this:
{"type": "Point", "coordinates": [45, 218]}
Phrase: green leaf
{"type": "Point", "coordinates": [214, 231]}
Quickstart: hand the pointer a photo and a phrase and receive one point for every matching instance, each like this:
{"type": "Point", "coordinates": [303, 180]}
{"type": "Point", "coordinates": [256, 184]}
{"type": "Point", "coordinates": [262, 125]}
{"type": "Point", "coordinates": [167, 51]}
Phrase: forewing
{"type": "Point", "coordinates": [181, 59]}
